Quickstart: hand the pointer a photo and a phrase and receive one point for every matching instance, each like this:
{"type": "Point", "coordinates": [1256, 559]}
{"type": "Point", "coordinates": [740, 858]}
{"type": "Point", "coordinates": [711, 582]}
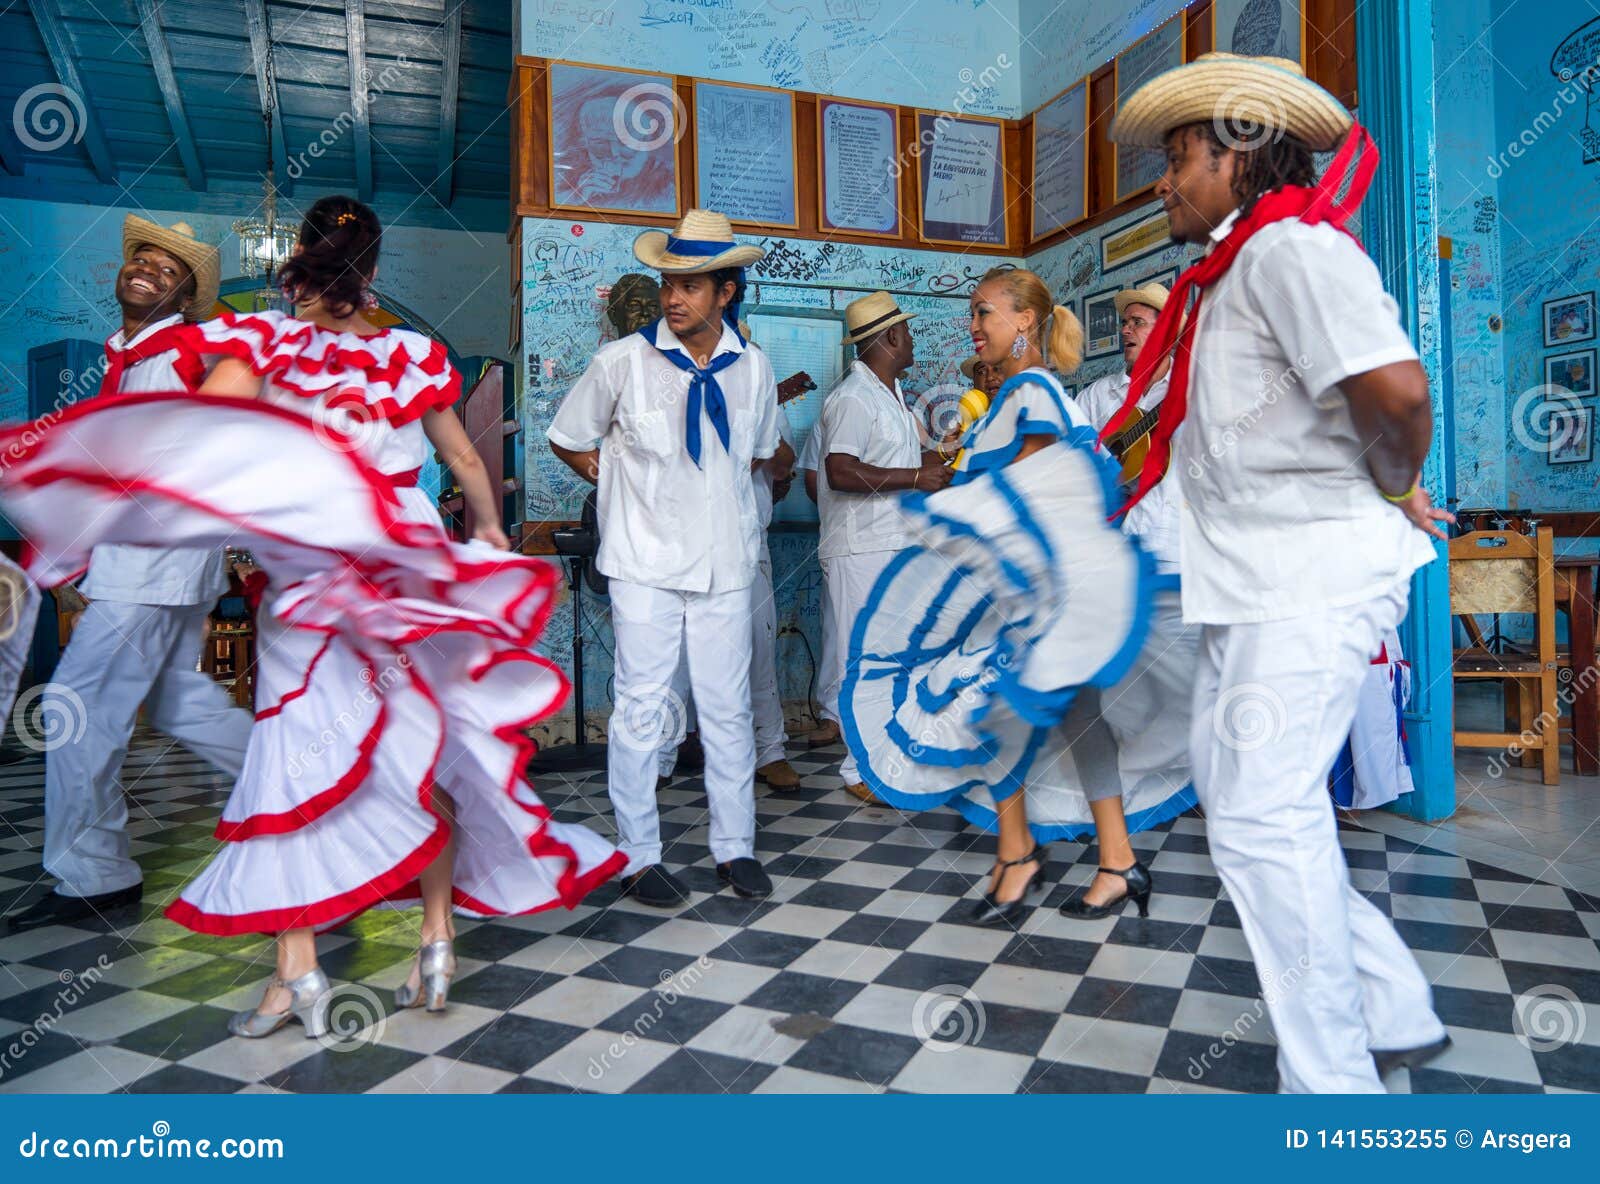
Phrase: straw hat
{"type": "Point", "coordinates": [179, 241]}
{"type": "Point", "coordinates": [970, 367]}
{"type": "Point", "coordinates": [871, 314]}
{"type": "Point", "coordinates": [703, 242]}
{"type": "Point", "coordinates": [1152, 295]}
{"type": "Point", "coordinates": [1272, 94]}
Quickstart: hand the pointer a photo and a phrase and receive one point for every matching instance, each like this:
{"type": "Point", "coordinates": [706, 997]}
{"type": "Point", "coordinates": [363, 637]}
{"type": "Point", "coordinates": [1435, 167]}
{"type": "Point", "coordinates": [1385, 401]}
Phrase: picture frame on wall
{"type": "Point", "coordinates": [1101, 333]}
{"type": "Point", "coordinates": [1569, 319]}
{"type": "Point", "coordinates": [1571, 435]}
{"type": "Point", "coordinates": [1061, 161]}
{"type": "Point", "coordinates": [746, 153]}
{"type": "Point", "coordinates": [857, 145]}
{"type": "Point", "coordinates": [1135, 241]}
{"type": "Point", "coordinates": [961, 171]}
{"type": "Point", "coordinates": [1165, 278]}
{"type": "Point", "coordinates": [1269, 28]}
{"type": "Point", "coordinates": [614, 140]}
{"type": "Point", "coordinates": [1572, 372]}
{"type": "Point", "coordinates": [1137, 169]}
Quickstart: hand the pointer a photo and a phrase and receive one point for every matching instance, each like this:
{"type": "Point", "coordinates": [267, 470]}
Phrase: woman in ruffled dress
{"type": "Point", "coordinates": [395, 677]}
{"type": "Point", "coordinates": [976, 667]}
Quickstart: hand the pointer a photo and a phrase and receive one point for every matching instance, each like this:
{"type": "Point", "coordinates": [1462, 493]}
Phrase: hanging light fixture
{"type": "Point", "coordinates": [265, 244]}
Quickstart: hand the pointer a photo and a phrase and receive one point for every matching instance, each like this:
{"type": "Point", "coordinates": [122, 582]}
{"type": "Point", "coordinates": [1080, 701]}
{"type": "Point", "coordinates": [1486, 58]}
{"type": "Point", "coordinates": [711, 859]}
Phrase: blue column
{"type": "Point", "coordinates": [1394, 54]}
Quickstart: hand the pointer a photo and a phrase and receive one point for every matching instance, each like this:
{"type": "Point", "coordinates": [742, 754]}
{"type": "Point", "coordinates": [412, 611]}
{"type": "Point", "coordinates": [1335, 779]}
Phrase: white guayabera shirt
{"type": "Point", "coordinates": [872, 423]}
{"type": "Point", "coordinates": [664, 522]}
{"type": "Point", "coordinates": [1154, 521]}
{"type": "Point", "coordinates": [1280, 515]}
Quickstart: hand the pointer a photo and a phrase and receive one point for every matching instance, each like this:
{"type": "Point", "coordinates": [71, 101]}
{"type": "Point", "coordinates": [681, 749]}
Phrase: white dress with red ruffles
{"type": "Point", "coordinates": [390, 658]}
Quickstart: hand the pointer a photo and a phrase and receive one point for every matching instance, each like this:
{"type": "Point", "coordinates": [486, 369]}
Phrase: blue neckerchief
{"type": "Point", "coordinates": [703, 387]}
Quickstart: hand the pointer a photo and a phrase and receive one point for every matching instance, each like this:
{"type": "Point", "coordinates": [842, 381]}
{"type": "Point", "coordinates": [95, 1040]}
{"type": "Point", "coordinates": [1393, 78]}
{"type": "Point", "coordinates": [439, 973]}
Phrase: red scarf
{"type": "Point", "coordinates": [188, 364]}
{"type": "Point", "coordinates": [1319, 203]}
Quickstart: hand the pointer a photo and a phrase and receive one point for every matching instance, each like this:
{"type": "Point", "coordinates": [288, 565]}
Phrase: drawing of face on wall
{"type": "Point", "coordinates": [634, 302]}
{"type": "Point", "coordinates": [613, 140]}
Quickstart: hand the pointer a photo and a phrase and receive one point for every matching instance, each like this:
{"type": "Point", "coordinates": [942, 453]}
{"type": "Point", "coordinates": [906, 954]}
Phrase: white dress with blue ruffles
{"type": "Point", "coordinates": [978, 664]}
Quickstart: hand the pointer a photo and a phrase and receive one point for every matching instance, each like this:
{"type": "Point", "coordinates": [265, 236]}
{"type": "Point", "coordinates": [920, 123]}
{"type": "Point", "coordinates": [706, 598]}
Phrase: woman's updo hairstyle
{"type": "Point", "coordinates": [1063, 350]}
{"type": "Point", "coordinates": [338, 255]}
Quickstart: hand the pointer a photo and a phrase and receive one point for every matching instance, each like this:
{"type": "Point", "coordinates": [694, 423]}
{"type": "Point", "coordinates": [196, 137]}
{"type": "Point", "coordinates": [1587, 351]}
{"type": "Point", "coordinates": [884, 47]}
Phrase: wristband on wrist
{"type": "Point", "coordinates": [1397, 498]}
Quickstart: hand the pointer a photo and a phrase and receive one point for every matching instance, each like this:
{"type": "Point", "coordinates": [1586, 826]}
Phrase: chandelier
{"type": "Point", "coordinates": [264, 243]}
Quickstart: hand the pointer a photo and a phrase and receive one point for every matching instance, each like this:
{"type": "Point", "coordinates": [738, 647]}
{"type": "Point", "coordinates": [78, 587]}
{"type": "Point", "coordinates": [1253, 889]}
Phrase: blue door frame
{"type": "Point", "coordinates": [1394, 54]}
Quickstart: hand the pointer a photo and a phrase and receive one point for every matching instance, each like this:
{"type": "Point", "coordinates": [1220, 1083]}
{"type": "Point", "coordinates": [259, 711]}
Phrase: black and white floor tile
{"type": "Point", "coordinates": [861, 974]}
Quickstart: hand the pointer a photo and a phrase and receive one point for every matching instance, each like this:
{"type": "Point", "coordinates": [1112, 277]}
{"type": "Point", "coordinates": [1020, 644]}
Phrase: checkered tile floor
{"type": "Point", "coordinates": [862, 974]}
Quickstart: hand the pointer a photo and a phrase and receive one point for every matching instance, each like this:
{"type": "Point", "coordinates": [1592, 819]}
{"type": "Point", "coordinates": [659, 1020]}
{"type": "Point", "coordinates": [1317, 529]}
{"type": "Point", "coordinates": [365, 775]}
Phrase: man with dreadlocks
{"type": "Point", "coordinates": [1303, 519]}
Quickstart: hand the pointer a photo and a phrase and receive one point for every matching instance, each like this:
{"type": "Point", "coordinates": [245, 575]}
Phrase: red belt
{"type": "Point", "coordinates": [407, 480]}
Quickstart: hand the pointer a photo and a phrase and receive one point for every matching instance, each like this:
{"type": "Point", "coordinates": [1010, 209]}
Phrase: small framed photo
{"type": "Point", "coordinates": [1165, 278]}
{"type": "Point", "coordinates": [1571, 435]}
{"type": "Point", "coordinates": [1569, 319]}
{"type": "Point", "coordinates": [1573, 373]}
{"type": "Point", "coordinates": [1101, 333]}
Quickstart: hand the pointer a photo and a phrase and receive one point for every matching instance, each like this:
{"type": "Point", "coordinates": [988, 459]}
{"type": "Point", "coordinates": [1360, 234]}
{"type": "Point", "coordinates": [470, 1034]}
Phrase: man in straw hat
{"type": "Point", "coordinates": [139, 639]}
{"type": "Point", "coordinates": [1303, 519]}
{"type": "Point", "coordinates": [871, 448]}
{"type": "Point", "coordinates": [670, 421]}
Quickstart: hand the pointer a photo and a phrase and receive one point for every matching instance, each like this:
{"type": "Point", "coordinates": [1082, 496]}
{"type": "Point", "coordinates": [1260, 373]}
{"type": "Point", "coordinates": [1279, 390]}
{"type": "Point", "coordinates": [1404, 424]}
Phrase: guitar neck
{"type": "Point", "coordinates": [1135, 430]}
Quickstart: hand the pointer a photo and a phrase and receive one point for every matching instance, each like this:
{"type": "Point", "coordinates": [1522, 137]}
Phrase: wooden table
{"type": "Point", "coordinates": [1575, 589]}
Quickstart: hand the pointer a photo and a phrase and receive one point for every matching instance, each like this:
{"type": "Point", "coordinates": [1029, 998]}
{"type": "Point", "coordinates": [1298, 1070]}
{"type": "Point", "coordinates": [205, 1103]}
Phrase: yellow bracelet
{"type": "Point", "coordinates": [1397, 498]}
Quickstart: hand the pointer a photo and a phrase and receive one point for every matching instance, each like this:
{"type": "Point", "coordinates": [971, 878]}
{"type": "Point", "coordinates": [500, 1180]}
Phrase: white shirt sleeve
{"type": "Point", "coordinates": [809, 455]}
{"type": "Point", "coordinates": [585, 415]}
{"type": "Point", "coordinates": [846, 425]}
{"type": "Point", "coordinates": [1323, 299]}
{"type": "Point", "coordinates": [767, 413]}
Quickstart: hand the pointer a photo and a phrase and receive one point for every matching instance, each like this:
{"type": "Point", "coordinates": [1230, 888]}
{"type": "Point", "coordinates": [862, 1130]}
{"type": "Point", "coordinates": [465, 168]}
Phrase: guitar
{"type": "Point", "coordinates": [1132, 444]}
{"type": "Point", "coordinates": [794, 386]}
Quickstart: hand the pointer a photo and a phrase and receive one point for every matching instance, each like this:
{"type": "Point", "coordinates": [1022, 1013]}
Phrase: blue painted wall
{"type": "Point", "coordinates": [1062, 40]}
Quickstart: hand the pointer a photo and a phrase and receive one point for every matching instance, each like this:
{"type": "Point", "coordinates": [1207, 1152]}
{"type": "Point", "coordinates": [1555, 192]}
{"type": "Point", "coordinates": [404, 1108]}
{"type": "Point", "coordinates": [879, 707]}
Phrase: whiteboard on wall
{"type": "Point", "coordinates": [800, 340]}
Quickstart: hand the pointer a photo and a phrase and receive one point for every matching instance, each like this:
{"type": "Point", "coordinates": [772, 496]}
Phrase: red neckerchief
{"type": "Point", "coordinates": [1358, 159]}
{"type": "Point", "coordinates": [188, 364]}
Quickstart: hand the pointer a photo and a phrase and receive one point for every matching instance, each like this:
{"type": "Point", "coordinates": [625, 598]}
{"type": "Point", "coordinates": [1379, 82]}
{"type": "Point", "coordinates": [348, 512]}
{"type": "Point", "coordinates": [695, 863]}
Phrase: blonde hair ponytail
{"type": "Point", "coordinates": [1063, 349]}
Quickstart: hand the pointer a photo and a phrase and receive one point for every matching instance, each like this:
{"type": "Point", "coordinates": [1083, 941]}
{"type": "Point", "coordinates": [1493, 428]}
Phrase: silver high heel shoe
{"type": "Point", "coordinates": [436, 963]}
{"type": "Point", "coordinates": [309, 997]}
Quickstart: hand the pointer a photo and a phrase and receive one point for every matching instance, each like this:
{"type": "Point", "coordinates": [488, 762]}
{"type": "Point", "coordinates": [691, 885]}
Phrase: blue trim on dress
{"type": "Point", "coordinates": [1163, 811]}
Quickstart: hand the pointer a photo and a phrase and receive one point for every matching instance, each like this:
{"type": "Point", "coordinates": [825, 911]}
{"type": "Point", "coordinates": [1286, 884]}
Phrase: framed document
{"type": "Point", "coordinates": [859, 190]}
{"type": "Point", "coordinates": [1134, 241]}
{"type": "Point", "coordinates": [614, 140]}
{"type": "Point", "coordinates": [1271, 28]}
{"type": "Point", "coordinates": [744, 150]}
{"type": "Point", "coordinates": [1156, 53]}
{"type": "Point", "coordinates": [1061, 161]}
{"type": "Point", "coordinates": [1101, 333]}
{"type": "Point", "coordinates": [961, 181]}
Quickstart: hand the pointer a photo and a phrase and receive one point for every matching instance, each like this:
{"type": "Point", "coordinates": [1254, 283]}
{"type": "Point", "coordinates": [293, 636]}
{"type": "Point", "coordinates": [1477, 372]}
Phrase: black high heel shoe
{"type": "Point", "coordinates": [993, 911]}
{"type": "Point", "coordinates": [1139, 884]}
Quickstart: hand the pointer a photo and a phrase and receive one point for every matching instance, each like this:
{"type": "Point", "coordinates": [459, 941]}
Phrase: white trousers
{"type": "Point", "coordinates": [766, 706]}
{"type": "Point", "coordinates": [831, 663]}
{"type": "Point", "coordinates": [1273, 705]}
{"type": "Point", "coordinates": [653, 626]}
{"type": "Point", "coordinates": [122, 655]}
{"type": "Point", "coordinates": [849, 579]}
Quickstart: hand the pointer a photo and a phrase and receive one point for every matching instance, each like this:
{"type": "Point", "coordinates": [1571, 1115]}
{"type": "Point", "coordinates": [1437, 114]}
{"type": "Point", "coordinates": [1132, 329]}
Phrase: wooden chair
{"type": "Point", "coordinates": [1493, 571]}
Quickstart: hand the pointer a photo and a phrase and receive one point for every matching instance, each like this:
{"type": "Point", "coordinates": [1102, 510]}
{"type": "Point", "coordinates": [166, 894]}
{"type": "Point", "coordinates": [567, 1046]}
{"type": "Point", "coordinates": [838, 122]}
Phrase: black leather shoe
{"type": "Point", "coordinates": [1390, 1059]}
{"type": "Point", "coordinates": [56, 909]}
{"type": "Point", "coordinates": [1138, 881]}
{"type": "Point", "coordinates": [691, 754]}
{"type": "Point", "coordinates": [991, 910]}
{"type": "Point", "coordinates": [746, 878]}
{"type": "Point", "coordinates": [656, 887]}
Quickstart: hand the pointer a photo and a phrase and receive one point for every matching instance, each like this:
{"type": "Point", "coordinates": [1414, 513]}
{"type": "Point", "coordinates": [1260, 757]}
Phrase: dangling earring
{"type": "Point", "coordinates": [1019, 346]}
{"type": "Point", "coordinates": [368, 300]}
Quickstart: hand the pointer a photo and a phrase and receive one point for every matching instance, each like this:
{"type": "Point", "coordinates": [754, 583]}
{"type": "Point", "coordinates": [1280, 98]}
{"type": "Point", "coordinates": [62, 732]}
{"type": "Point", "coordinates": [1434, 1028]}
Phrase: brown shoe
{"type": "Point", "coordinates": [827, 734]}
{"type": "Point", "coordinates": [860, 790]}
{"type": "Point", "coordinates": [779, 775]}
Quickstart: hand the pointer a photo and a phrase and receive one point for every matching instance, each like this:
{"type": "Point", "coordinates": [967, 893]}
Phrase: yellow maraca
{"type": "Point", "coordinates": [971, 409]}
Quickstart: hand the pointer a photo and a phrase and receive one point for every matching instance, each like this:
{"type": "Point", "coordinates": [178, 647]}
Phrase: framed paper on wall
{"type": "Point", "coordinates": [1260, 28]}
{"type": "Point", "coordinates": [1569, 319]}
{"type": "Point", "coordinates": [858, 190]}
{"type": "Point", "coordinates": [1571, 435]}
{"type": "Point", "coordinates": [614, 140]}
{"type": "Point", "coordinates": [1573, 373]}
{"type": "Point", "coordinates": [961, 180]}
{"type": "Point", "coordinates": [1061, 161]}
{"type": "Point", "coordinates": [1101, 333]}
{"type": "Point", "coordinates": [1165, 278]}
{"type": "Point", "coordinates": [744, 151]}
{"type": "Point", "coordinates": [1133, 242]}
{"type": "Point", "coordinates": [1137, 169]}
